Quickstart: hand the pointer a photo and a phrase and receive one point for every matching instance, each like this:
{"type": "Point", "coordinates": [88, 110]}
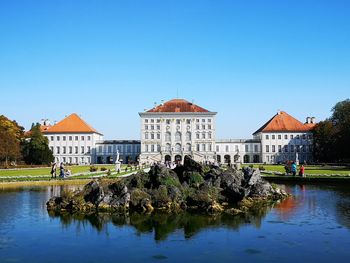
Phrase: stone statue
{"type": "Point", "coordinates": [297, 158]}
{"type": "Point", "coordinates": [117, 163]}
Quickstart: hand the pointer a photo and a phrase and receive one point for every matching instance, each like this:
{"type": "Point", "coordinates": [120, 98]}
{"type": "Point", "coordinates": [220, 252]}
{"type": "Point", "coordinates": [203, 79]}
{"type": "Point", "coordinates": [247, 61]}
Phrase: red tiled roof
{"type": "Point", "coordinates": [73, 123]}
{"type": "Point", "coordinates": [178, 105]}
{"type": "Point", "coordinates": [283, 122]}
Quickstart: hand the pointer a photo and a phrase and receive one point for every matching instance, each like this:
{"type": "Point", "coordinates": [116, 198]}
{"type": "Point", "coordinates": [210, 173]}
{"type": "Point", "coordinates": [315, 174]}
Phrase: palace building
{"type": "Point", "coordinates": [176, 128]}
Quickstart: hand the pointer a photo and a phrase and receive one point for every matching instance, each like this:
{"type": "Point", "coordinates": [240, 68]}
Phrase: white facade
{"type": "Point", "coordinates": [279, 147]}
{"type": "Point", "coordinates": [73, 148]}
{"type": "Point", "coordinates": [170, 136]}
{"type": "Point", "coordinates": [238, 151]}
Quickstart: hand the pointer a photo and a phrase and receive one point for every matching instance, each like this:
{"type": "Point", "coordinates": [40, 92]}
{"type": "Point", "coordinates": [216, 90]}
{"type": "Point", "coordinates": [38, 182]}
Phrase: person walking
{"type": "Point", "coordinates": [53, 170]}
{"type": "Point", "coordinates": [294, 169]}
{"type": "Point", "coordinates": [302, 171]}
{"type": "Point", "coordinates": [61, 170]}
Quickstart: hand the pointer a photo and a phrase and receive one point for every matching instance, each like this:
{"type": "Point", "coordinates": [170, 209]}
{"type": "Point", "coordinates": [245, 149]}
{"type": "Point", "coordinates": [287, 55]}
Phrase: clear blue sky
{"type": "Point", "coordinates": [109, 60]}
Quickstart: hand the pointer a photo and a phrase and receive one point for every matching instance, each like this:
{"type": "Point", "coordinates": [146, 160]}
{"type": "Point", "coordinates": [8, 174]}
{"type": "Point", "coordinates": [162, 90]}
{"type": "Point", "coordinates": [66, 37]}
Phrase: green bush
{"type": "Point", "coordinates": [261, 168]}
{"type": "Point", "coordinates": [195, 179]}
{"type": "Point", "coordinates": [103, 169]}
{"type": "Point", "coordinates": [93, 169]}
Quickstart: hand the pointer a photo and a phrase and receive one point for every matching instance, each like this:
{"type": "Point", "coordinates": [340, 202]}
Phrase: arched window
{"type": "Point", "coordinates": [188, 147]}
{"type": "Point", "coordinates": [158, 148]}
{"type": "Point", "coordinates": [168, 137]}
{"type": "Point", "coordinates": [188, 136]}
{"type": "Point", "coordinates": [146, 135]}
{"type": "Point", "coordinates": [168, 147]}
{"type": "Point", "coordinates": [178, 147]}
{"type": "Point", "coordinates": [177, 136]}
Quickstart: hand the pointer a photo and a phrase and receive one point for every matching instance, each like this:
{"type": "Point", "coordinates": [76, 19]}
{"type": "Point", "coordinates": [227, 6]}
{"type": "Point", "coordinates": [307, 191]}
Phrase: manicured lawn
{"type": "Point", "coordinates": [310, 169]}
{"type": "Point", "coordinates": [46, 171]}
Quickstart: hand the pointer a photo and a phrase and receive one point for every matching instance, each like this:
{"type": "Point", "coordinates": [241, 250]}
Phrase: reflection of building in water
{"type": "Point", "coordinates": [56, 190]}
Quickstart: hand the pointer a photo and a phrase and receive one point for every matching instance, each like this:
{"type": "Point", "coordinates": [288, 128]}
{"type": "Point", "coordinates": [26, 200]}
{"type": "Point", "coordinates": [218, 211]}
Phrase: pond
{"type": "Point", "coordinates": [313, 225]}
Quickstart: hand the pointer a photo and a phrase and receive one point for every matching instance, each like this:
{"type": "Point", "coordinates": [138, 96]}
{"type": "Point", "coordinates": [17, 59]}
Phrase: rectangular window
{"type": "Point", "coordinates": [197, 147]}
{"type": "Point", "coordinates": [197, 120]}
{"type": "Point", "coordinates": [209, 126]}
{"type": "Point", "coordinates": [76, 159]}
{"type": "Point", "coordinates": [227, 148]}
{"type": "Point", "coordinates": [70, 149]}
{"type": "Point", "coordinates": [152, 127]}
{"type": "Point", "coordinates": [70, 138]}
{"type": "Point", "coordinates": [77, 139]}
{"type": "Point", "coordinates": [51, 148]}
{"type": "Point", "coordinates": [64, 150]}
{"type": "Point", "coordinates": [58, 138]}
{"type": "Point", "coordinates": [152, 120]}
{"type": "Point", "coordinates": [88, 149]}
{"type": "Point", "coordinates": [285, 148]}
{"type": "Point", "coordinates": [158, 127]}
{"type": "Point", "coordinates": [256, 148]}
{"type": "Point", "coordinates": [152, 136]}
{"type": "Point", "coordinates": [188, 121]}
{"type": "Point", "coordinates": [158, 120]}
{"type": "Point", "coordinates": [273, 137]}
{"type": "Point", "coordinates": [146, 120]}
{"type": "Point", "coordinates": [291, 137]}
{"type": "Point", "coordinates": [209, 120]}
{"type": "Point", "coordinates": [64, 138]}
{"type": "Point", "coordinates": [64, 159]}
{"type": "Point", "coordinates": [76, 149]}
{"type": "Point", "coordinates": [58, 150]}
{"type": "Point", "coordinates": [70, 159]}
{"type": "Point", "coordinates": [279, 148]}
{"type": "Point", "coordinates": [273, 148]}
{"type": "Point", "coordinates": [89, 138]}
{"type": "Point", "coordinates": [236, 148]}
{"type": "Point", "coordinates": [197, 127]}
{"type": "Point", "coordinates": [286, 136]}
{"type": "Point", "coordinates": [203, 126]}
{"type": "Point", "coordinates": [52, 138]}
{"type": "Point", "coordinates": [197, 135]}
{"type": "Point", "coordinates": [267, 136]}
{"type": "Point", "coordinates": [152, 148]}
{"type": "Point", "coordinates": [279, 136]}
{"type": "Point", "coordinates": [178, 121]}
{"type": "Point", "coordinates": [203, 147]}
{"type": "Point", "coordinates": [146, 127]}
{"type": "Point", "coordinates": [247, 148]}
{"type": "Point", "coordinates": [267, 148]}
{"type": "Point", "coordinates": [168, 121]}
{"type": "Point", "coordinates": [203, 135]}
{"type": "Point", "coordinates": [203, 120]}
{"type": "Point", "coordinates": [217, 148]}
{"type": "Point", "coordinates": [82, 149]}
{"type": "Point", "coordinates": [158, 136]}
{"type": "Point", "coordinates": [146, 136]}
{"type": "Point", "coordinates": [109, 148]}
{"type": "Point", "coordinates": [298, 148]}
{"type": "Point", "coordinates": [146, 147]}
{"type": "Point", "coordinates": [209, 147]}
{"type": "Point", "coordinates": [82, 138]}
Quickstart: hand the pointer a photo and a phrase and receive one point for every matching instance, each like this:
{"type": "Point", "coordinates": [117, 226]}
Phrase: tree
{"type": "Point", "coordinates": [341, 122]}
{"type": "Point", "coordinates": [36, 147]}
{"type": "Point", "coordinates": [324, 142]}
{"type": "Point", "coordinates": [11, 135]}
{"type": "Point", "coordinates": [332, 136]}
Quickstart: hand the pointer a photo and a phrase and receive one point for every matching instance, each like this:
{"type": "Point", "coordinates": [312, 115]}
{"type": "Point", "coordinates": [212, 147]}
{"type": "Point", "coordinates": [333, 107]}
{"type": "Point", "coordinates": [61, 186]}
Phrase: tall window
{"type": "Point", "coordinates": [246, 148]}
{"type": "Point", "coordinates": [273, 148]}
{"type": "Point", "coordinates": [209, 135]}
{"type": "Point", "coordinates": [279, 148]}
{"type": "Point", "coordinates": [76, 149]}
{"type": "Point", "coordinates": [178, 147]}
{"type": "Point", "coordinates": [267, 148]}
{"type": "Point", "coordinates": [256, 148]}
{"type": "Point", "coordinates": [168, 147]}
{"type": "Point", "coordinates": [203, 135]}
{"type": "Point", "coordinates": [203, 147]}
{"type": "Point", "coordinates": [188, 147]}
{"type": "Point", "coordinates": [146, 135]}
{"type": "Point", "coordinates": [82, 149]}
{"type": "Point", "coordinates": [177, 136]}
{"type": "Point", "coordinates": [188, 136]}
{"type": "Point", "coordinates": [197, 147]}
{"type": "Point", "coordinates": [167, 136]}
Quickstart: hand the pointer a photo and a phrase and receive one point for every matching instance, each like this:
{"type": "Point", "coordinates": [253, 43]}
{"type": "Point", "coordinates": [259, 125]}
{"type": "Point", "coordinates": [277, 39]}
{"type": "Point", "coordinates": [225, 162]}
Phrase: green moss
{"type": "Point", "coordinates": [195, 179]}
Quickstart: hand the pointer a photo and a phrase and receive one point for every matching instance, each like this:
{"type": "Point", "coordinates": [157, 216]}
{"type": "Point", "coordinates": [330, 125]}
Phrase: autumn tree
{"type": "Point", "coordinates": [11, 135]}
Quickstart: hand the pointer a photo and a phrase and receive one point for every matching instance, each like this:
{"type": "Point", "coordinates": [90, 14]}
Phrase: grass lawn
{"type": "Point", "coordinates": [46, 171]}
{"type": "Point", "coordinates": [310, 169]}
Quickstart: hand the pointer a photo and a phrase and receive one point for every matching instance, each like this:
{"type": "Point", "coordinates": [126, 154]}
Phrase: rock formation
{"type": "Point", "coordinates": [188, 187]}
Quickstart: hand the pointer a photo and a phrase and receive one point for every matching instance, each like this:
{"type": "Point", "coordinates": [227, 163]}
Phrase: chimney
{"type": "Point", "coordinates": [313, 120]}
{"type": "Point", "coordinates": [308, 120]}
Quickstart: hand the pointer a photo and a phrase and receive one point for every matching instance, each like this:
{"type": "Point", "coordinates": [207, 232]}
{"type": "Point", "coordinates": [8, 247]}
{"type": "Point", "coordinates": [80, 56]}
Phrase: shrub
{"type": "Point", "coordinates": [251, 166]}
{"type": "Point", "coordinates": [93, 169]}
{"type": "Point", "coordinates": [195, 179]}
{"type": "Point", "coordinates": [109, 173]}
{"type": "Point", "coordinates": [103, 169]}
{"type": "Point", "coordinates": [261, 168]}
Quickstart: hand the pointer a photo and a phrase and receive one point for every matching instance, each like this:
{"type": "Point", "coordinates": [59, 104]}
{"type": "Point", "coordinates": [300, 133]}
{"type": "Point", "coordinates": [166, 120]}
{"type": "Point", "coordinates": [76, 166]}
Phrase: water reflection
{"type": "Point", "coordinates": [163, 224]}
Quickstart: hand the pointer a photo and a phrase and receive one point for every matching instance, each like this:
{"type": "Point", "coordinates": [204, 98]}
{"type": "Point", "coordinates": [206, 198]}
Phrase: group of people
{"type": "Point", "coordinates": [64, 173]}
{"type": "Point", "coordinates": [294, 169]}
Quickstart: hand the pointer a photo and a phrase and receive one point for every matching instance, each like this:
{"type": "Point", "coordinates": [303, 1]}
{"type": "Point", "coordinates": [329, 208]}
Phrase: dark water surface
{"type": "Point", "coordinates": [313, 226]}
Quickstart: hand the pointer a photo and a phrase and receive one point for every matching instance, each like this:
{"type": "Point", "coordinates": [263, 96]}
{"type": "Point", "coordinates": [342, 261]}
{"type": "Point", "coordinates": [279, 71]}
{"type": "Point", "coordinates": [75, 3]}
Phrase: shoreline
{"type": "Point", "coordinates": [307, 179]}
{"type": "Point", "coordinates": [44, 183]}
